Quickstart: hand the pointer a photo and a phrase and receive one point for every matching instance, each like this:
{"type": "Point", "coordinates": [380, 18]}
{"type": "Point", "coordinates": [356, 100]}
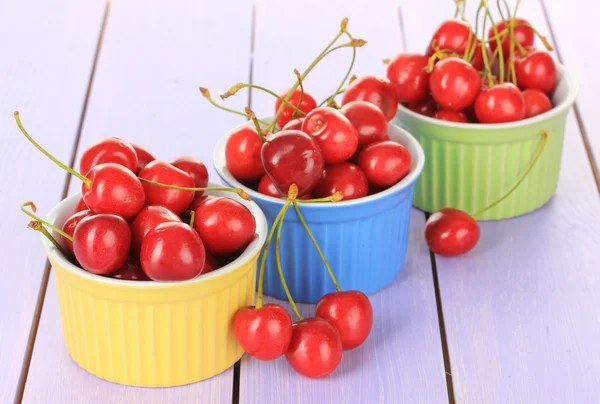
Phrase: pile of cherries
{"type": "Point", "coordinates": [145, 219]}
{"type": "Point", "coordinates": [500, 77]}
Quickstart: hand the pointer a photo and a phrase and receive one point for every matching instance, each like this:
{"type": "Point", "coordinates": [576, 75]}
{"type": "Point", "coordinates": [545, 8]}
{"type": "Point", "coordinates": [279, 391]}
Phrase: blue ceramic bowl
{"type": "Point", "coordinates": [365, 240]}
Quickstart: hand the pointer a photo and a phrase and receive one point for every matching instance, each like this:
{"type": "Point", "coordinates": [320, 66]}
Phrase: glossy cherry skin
{"type": "Point", "coordinates": [294, 124]}
{"type": "Point", "coordinates": [81, 206]}
{"type": "Point", "coordinates": [351, 314]}
{"type": "Point", "coordinates": [536, 70]}
{"type": "Point", "coordinates": [115, 190]}
{"type": "Point", "coordinates": [293, 157]}
{"type": "Point", "coordinates": [379, 91]}
{"type": "Point", "coordinates": [385, 163]}
{"type": "Point", "coordinates": [109, 150]}
{"type": "Point", "coordinates": [70, 225]}
{"type": "Point", "coordinates": [211, 264]}
{"type": "Point", "coordinates": [451, 116]}
{"type": "Point", "coordinates": [172, 251]}
{"type": "Point", "coordinates": [195, 168]}
{"type": "Point", "coordinates": [454, 35]}
{"type": "Point", "coordinates": [264, 333]}
{"type": "Point", "coordinates": [426, 107]}
{"type": "Point", "coordinates": [225, 225]}
{"type": "Point", "coordinates": [266, 187]}
{"type": "Point", "coordinates": [101, 243]}
{"type": "Point", "coordinates": [454, 84]}
{"type": "Point", "coordinates": [407, 72]}
{"type": "Point", "coordinates": [147, 220]}
{"type": "Point", "coordinates": [524, 35]}
{"type": "Point", "coordinates": [335, 135]}
{"type": "Point", "coordinates": [500, 103]}
{"type": "Point", "coordinates": [131, 270]}
{"type": "Point", "coordinates": [242, 153]}
{"type": "Point", "coordinates": [307, 105]}
{"type": "Point", "coordinates": [536, 102]}
{"type": "Point", "coordinates": [200, 200]}
{"type": "Point", "coordinates": [173, 199]}
{"type": "Point", "coordinates": [315, 349]}
{"type": "Point", "coordinates": [143, 155]}
{"type": "Point", "coordinates": [346, 178]}
{"type": "Point", "coordinates": [451, 231]}
{"type": "Point", "coordinates": [368, 120]}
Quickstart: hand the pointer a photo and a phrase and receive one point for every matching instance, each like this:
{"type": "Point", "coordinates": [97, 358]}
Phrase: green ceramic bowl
{"type": "Point", "coordinates": [470, 166]}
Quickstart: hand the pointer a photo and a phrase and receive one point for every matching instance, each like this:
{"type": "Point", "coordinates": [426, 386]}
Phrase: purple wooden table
{"type": "Point", "coordinates": [516, 320]}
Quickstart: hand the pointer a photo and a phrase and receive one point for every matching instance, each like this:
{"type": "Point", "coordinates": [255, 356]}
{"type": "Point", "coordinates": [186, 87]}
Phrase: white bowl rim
{"type": "Point", "coordinates": [253, 248]}
{"type": "Point", "coordinates": [572, 86]}
{"type": "Point", "coordinates": [405, 182]}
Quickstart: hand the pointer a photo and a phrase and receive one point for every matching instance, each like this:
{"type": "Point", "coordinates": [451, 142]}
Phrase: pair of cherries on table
{"type": "Point", "coordinates": [498, 79]}
{"type": "Point", "coordinates": [128, 224]}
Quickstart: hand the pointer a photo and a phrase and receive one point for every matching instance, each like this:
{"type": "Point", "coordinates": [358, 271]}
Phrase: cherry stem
{"type": "Point", "coordinates": [192, 218]}
{"type": "Point", "coordinates": [342, 91]}
{"type": "Point", "coordinates": [254, 119]}
{"type": "Point", "coordinates": [238, 191]}
{"type": "Point", "coordinates": [348, 73]}
{"type": "Point", "coordinates": [238, 86]}
{"type": "Point", "coordinates": [471, 51]}
{"type": "Point", "coordinates": [206, 95]}
{"type": "Point", "coordinates": [331, 275]}
{"type": "Point", "coordinates": [338, 196]}
{"type": "Point", "coordinates": [439, 54]}
{"type": "Point", "coordinates": [460, 10]}
{"type": "Point", "coordinates": [42, 221]}
{"type": "Point", "coordinates": [37, 226]}
{"type": "Point", "coordinates": [535, 159]}
{"type": "Point", "coordinates": [486, 63]}
{"type": "Point", "coordinates": [299, 78]}
{"type": "Point", "coordinates": [261, 276]}
{"type": "Point", "coordinates": [83, 178]}
{"type": "Point", "coordinates": [544, 40]}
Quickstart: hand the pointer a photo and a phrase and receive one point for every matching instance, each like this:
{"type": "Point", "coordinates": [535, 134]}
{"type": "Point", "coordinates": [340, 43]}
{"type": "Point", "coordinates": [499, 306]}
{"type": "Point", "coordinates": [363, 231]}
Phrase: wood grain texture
{"type": "Point", "coordinates": [402, 359]}
{"type": "Point", "coordinates": [44, 74]}
{"type": "Point", "coordinates": [154, 56]}
{"type": "Point", "coordinates": [522, 310]}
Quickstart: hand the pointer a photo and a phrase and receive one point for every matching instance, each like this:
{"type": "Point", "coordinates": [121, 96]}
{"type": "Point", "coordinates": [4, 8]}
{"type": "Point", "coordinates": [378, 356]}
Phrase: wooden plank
{"type": "Point", "coordinates": [522, 310]}
{"type": "Point", "coordinates": [154, 57]}
{"type": "Point", "coordinates": [402, 360]}
{"type": "Point", "coordinates": [47, 49]}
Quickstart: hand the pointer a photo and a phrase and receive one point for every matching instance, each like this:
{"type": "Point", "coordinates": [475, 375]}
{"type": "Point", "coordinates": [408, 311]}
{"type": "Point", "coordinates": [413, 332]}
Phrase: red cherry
{"type": "Point", "coordinates": [536, 70]}
{"type": "Point", "coordinates": [71, 224]}
{"type": "Point", "coordinates": [115, 190]}
{"type": "Point", "coordinates": [143, 155]}
{"type": "Point", "coordinates": [266, 187]}
{"type": "Point", "coordinates": [195, 168]}
{"type": "Point", "coordinates": [368, 120]}
{"type": "Point", "coordinates": [211, 264]}
{"type": "Point", "coordinates": [346, 178]}
{"type": "Point", "coordinates": [426, 107]}
{"type": "Point", "coordinates": [451, 231]}
{"type": "Point", "coordinates": [264, 333]}
{"type": "Point", "coordinates": [109, 150]}
{"type": "Point", "coordinates": [407, 72]}
{"type": "Point", "coordinates": [294, 124]}
{"type": "Point", "coordinates": [173, 251]}
{"type": "Point", "coordinates": [198, 200]}
{"type": "Point", "coordinates": [524, 35]}
{"type": "Point", "coordinates": [101, 243]}
{"type": "Point", "coordinates": [147, 220]}
{"type": "Point", "coordinates": [173, 199]}
{"type": "Point", "coordinates": [293, 157]}
{"type": "Point", "coordinates": [308, 104]}
{"type": "Point", "coordinates": [454, 84]}
{"type": "Point", "coordinates": [315, 349]}
{"type": "Point", "coordinates": [451, 116]}
{"type": "Point", "coordinates": [536, 102]}
{"type": "Point", "coordinates": [81, 206]}
{"type": "Point", "coordinates": [385, 163]}
{"type": "Point", "coordinates": [452, 35]}
{"type": "Point", "coordinates": [351, 314]}
{"type": "Point", "coordinates": [131, 270]}
{"type": "Point", "coordinates": [242, 153]}
{"type": "Point", "coordinates": [225, 225]}
{"type": "Point", "coordinates": [501, 103]}
{"type": "Point", "coordinates": [377, 90]}
{"type": "Point", "coordinates": [333, 132]}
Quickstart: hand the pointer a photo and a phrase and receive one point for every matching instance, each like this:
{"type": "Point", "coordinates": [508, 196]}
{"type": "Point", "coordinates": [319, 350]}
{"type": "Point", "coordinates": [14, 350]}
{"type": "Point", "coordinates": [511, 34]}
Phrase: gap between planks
{"type": "Point", "coordinates": [582, 130]}
{"type": "Point", "coordinates": [46, 276]}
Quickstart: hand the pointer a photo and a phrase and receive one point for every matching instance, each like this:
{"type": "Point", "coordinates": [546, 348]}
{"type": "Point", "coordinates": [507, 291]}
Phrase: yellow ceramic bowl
{"type": "Point", "coordinates": [153, 334]}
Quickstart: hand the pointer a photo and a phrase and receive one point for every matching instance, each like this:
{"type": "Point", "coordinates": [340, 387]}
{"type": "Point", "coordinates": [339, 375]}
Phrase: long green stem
{"type": "Point", "coordinates": [37, 226]}
{"type": "Point", "coordinates": [278, 259]}
{"type": "Point", "coordinates": [237, 87]}
{"type": "Point", "coordinates": [238, 191]}
{"type": "Point", "coordinates": [470, 52]}
{"type": "Point", "coordinates": [254, 120]}
{"type": "Point", "coordinates": [261, 274]}
{"type": "Point", "coordinates": [299, 78]}
{"type": "Point", "coordinates": [206, 95]}
{"type": "Point", "coordinates": [486, 63]}
{"type": "Point", "coordinates": [510, 191]}
{"type": "Point", "coordinates": [338, 196]}
{"type": "Point", "coordinates": [42, 221]}
{"type": "Point", "coordinates": [498, 41]}
{"type": "Point", "coordinates": [83, 178]}
{"type": "Point", "coordinates": [192, 218]}
{"type": "Point", "coordinates": [331, 275]}
{"type": "Point", "coordinates": [348, 73]}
